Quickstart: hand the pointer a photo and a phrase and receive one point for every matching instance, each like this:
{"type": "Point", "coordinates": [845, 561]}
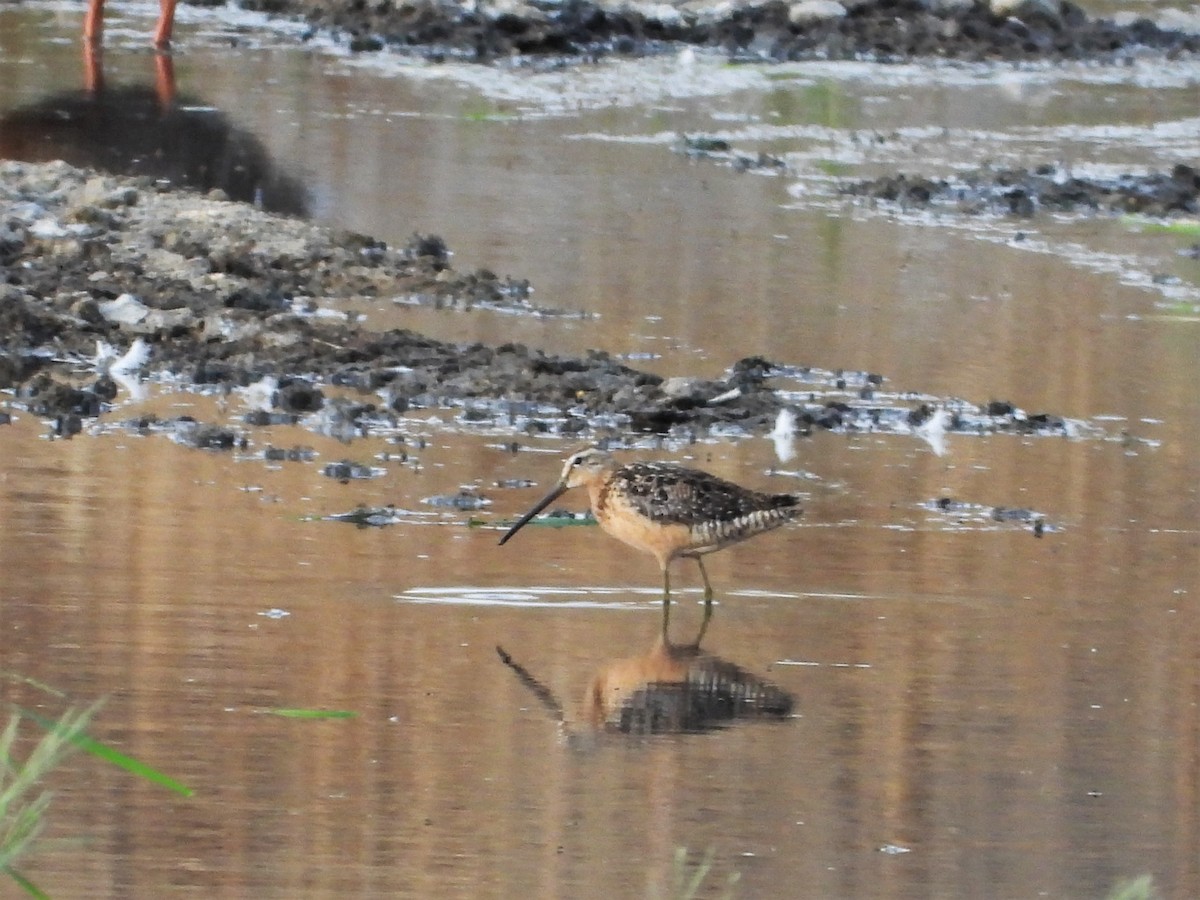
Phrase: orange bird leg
{"type": "Point", "coordinates": [93, 68]}
{"type": "Point", "coordinates": [166, 21]}
{"type": "Point", "coordinates": [164, 79]}
{"type": "Point", "coordinates": [93, 22]}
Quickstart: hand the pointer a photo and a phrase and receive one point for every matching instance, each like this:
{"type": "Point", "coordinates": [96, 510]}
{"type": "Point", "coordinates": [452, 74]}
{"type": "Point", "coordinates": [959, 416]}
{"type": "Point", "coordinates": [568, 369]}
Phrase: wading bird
{"type": "Point", "coordinates": [93, 23]}
{"type": "Point", "coordinates": [667, 510]}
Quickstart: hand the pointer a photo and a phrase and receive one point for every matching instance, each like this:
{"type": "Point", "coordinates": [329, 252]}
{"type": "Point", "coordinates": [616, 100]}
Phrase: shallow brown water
{"type": "Point", "coordinates": [978, 712]}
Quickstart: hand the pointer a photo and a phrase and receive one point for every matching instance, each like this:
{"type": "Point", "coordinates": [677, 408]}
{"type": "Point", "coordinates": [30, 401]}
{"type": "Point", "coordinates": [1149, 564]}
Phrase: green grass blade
{"type": "Point", "coordinates": [699, 874]}
{"type": "Point", "coordinates": [8, 738]}
{"type": "Point", "coordinates": [21, 826]}
{"type": "Point", "coordinates": [313, 713]}
{"type": "Point", "coordinates": [129, 764]}
{"type": "Point", "coordinates": [549, 522]}
{"type": "Point", "coordinates": [28, 886]}
{"type": "Point", "coordinates": [116, 757]}
{"type": "Point", "coordinates": [689, 885]}
{"type": "Point", "coordinates": [33, 682]}
{"type": "Point", "coordinates": [1140, 888]}
{"type": "Point", "coordinates": [1186, 227]}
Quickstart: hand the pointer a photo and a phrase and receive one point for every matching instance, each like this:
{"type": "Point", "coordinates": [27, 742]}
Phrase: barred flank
{"type": "Point", "coordinates": [720, 533]}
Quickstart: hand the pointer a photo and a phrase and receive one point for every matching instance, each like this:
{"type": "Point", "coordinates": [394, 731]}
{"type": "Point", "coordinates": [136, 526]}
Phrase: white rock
{"type": "Point", "coordinates": [679, 386]}
{"type": "Point", "coordinates": [48, 229]}
{"type": "Point", "coordinates": [662, 12]}
{"type": "Point", "coordinates": [815, 11]}
{"type": "Point", "coordinates": [1020, 8]}
{"type": "Point", "coordinates": [707, 10]}
{"type": "Point", "coordinates": [261, 394]}
{"type": "Point", "coordinates": [125, 310]}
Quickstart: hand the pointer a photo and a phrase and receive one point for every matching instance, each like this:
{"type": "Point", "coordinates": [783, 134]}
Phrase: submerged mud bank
{"type": "Point", "coordinates": [1024, 192]}
{"type": "Point", "coordinates": [775, 30]}
{"type": "Point", "coordinates": [107, 280]}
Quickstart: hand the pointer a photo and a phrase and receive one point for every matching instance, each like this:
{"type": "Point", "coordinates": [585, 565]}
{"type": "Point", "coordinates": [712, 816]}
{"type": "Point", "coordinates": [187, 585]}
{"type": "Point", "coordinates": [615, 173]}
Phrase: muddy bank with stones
{"type": "Point", "coordinates": [104, 274]}
{"type": "Point", "coordinates": [1025, 192]}
{"type": "Point", "coordinates": [992, 190]}
{"type": "Point", "coordinates": [775, 30]}
{"type": "Point", "coordinates": [108, 278]}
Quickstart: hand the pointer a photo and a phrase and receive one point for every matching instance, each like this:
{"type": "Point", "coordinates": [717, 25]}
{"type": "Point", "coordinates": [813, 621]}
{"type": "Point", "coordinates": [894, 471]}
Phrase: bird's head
{"type": "Point", "coordinates": [581, 468]}
{"type": "Point", "coordinates": [584, 466]}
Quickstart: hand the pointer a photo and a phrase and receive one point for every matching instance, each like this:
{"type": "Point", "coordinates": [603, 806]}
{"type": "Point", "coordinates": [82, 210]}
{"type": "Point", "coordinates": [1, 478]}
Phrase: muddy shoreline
{"type": "Point", "coordinates": [110, 275]}
{"type": "Point", "coordinates": [881, 30]}
{"type": "Point", "coordinates": [1025, 192]}
{"type": "Point", "coordinates": [110, 280]}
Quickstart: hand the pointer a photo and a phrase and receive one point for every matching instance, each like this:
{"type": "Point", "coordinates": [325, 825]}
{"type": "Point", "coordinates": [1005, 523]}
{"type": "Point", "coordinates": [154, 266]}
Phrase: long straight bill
{"type": "Point", "coordinates": [542, 504]}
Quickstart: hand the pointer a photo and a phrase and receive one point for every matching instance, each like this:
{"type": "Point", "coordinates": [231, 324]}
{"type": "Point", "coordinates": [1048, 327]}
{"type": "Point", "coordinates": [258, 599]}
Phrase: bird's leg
{"type": "Point", "coordinates": [703, 625]}
{"type": "Point", "coordinates": [666, 596]}
{"type": "Point", "coordinates": [93, 66]}
{"type": "Point", "coordinates": [708, 595]}
{"type": "Point", "coordinates": [708, 592]}
{"type": "Point", "coordinates": [666, 600]}
{"type": "Point", "coordinates": [164, 80]}
{"type": "Point", "coordinates": [93, 22]}
{"type": "Point", "coordinates": [166, 19]}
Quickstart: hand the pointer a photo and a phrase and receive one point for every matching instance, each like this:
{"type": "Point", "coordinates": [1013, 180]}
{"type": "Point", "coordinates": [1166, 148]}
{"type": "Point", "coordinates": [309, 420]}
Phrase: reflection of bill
{"type": "Point", "coordinates": [670, 689]}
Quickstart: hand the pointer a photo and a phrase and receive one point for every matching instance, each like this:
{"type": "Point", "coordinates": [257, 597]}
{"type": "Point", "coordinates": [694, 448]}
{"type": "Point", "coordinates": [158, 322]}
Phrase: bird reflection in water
{"type": "Point", "coordinates": [93, 48]}
{"type": "Point", "coordinates": [140, 130]}
{"type": "Point", "coordinates": [672, 688]}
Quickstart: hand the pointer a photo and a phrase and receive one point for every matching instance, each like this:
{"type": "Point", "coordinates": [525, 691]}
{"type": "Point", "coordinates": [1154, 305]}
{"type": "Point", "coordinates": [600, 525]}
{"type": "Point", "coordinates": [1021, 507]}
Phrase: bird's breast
{"type": "Point", "coordinates": [629, 524]}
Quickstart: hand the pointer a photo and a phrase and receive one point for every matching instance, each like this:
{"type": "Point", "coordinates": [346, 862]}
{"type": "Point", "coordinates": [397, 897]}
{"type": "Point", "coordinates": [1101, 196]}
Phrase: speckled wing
{"type": "Point", "coordinates": [676, 495]}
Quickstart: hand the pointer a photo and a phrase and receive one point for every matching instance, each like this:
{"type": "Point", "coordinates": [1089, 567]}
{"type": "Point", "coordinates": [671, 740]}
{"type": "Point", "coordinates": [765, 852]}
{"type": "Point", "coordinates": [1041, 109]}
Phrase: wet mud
{"type": "Point", "coordinates": [963, 514]}
{"type": "Point", "coordinates": [161, 272]}
{"type": "Point", "coordinates": [778, 31]}
{"type": "Point", "coordinates": [1025, 192]}
{"type": "Point", "coordinates": [993, 191]}
{"type": "Point", "coordinates": [110, 280]}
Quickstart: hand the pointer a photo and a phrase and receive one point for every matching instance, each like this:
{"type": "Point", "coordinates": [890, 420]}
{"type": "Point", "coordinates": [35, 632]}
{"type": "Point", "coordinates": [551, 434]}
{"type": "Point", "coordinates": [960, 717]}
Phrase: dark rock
{"type": "Point", "coordinates": [294, 454]}
{"type": "Point", "coordinates": [205, 436]}
{"type": "Point", "coordinates": [347, 470]}
{"type": "Point", "coordinates": [105, 388]}
{"type": "Point", "coordinates": [67, 425]}
{"type": "Point", "coordinates": [295, 395]}
{"type": "Point", "coordinates": [430, 247]}
{"type": "Point", "coordinates": [49, 398]}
